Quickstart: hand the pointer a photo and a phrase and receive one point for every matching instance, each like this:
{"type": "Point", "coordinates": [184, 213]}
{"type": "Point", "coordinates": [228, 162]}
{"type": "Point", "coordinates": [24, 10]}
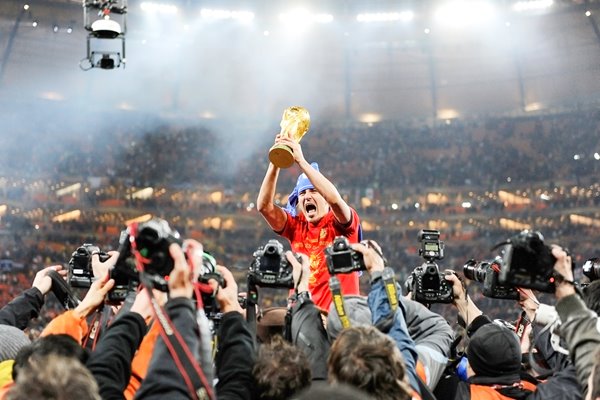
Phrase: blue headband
{"type": "Point", "coordinates": [302, 184]}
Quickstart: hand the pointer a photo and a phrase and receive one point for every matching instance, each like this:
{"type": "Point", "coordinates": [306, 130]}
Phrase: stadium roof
{"type": "Point", "coordinates": [431, 58]}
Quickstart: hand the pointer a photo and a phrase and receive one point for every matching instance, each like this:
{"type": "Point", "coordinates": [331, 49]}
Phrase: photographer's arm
{"type": "Point", "coordinates": [28, 304]}
{"type": "Point", "coordinates": [110, 363]}
{"type": "Point", "coordinates": [73, 322]}
{"type": "Point", "coordinates": [340, 208]}
{"type": "Point", "coordinates": [381, 310]}
{"type": "Point", "coordinates": [236, 355]}
{"type": "Point", "coordinates": [467, 310]}
{"type": "Point", "coordinates": [274, 215]}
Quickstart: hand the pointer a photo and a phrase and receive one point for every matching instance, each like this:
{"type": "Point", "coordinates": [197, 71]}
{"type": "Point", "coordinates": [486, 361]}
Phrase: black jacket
{"type": "Point", "coordinates": [309, 334]}
{"type": "Point", "coordinates": [22, 308]}
{"type": "Point", "coordinates": [110, 363]}
{"type": "Point", "coordinates": [235, 358]}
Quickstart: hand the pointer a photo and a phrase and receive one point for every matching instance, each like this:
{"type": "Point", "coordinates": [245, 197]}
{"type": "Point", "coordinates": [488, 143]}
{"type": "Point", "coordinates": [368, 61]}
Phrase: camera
{"type": "Point", "coordinates": [270, 268]}
{"type": "Point", "coordinates": [591, 269]}
{"type": "Point", "coordinates": [488, 272]}
{"type": "Point", "coordinates": [426, 282]}
{"type": "Point", "coordinates": [428, 285]}
{"type": "Point", "coordinates": [147, 243]}
{"type": "Point", "coordinates": [527, 262]}
{"type": "Point", "coordinates": [342, 259]}
{"type": "Point", "coordinates": [81, 274]}
{"type": "Point", "coordinates": [209, 271]}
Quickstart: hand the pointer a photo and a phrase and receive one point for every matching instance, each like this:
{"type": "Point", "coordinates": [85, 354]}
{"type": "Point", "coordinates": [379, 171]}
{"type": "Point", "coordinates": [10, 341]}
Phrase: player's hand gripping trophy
{"type": "Point", "coordinates": [294, 124]}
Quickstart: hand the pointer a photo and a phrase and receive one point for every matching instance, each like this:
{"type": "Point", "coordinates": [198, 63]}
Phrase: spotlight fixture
{"type": "Point", "coordinates": [69, 30]}
{"type": "Point", "coordinates": [106, 22]}
{"type": "Point", "coordinates": [55, 28]}
{"type": "Point", "coordinates": [34, 24]}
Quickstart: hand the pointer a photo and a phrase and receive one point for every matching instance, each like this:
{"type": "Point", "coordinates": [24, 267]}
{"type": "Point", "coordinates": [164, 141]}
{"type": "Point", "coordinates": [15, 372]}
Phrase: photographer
{"type": "Point", "coordinates": [323, 215]}
{"type": "Point", "coordinates": [235, 355]}
{"type": "Point", "coordinates": [579, 325]}
{"type": "Point", "coordinates": [85, 322]}
{"type": "Point", "coordinates": [307, 330]}
{"type": "Point", "coordinates": [381, 310]}
{"type": "Point", "coordinates": [28, 304]}
{"type": "Point", "coordinates": [494, 362]}
{"type": "Point", "coordinates": [75, 322]}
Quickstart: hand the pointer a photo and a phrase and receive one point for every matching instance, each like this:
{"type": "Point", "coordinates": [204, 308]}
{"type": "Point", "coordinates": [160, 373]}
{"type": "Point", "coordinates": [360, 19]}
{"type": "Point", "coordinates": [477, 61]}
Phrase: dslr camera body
{"type": "Point", "coordinates": [152, 240]}
{"type": "Point", "coordinates": [80, 273]}
{"type": "Point", "coordinates": [426, 282]}
{"type": "Point", "coordinates": [488, 273]}
{"type": "Point", "coordinates": [342, 259]}
{"type": "Point", "coordinates": [270, 268]}
{"type": "Point", "coordinates": [209, 271]}
{"type": "Point", "coordinates": [527, 262]}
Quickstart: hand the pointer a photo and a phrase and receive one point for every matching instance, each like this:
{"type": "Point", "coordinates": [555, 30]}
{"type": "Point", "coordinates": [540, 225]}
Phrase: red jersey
{"type": "Point", "coordinates": [312, 239]}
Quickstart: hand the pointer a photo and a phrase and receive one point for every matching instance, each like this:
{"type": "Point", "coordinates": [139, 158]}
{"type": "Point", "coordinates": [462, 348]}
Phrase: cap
{"type": "Point", "coordinates": [494, 351]}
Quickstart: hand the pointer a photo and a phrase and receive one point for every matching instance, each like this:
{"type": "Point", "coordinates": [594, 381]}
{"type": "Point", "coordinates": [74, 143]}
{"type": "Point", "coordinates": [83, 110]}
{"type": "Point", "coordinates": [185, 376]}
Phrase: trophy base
{"type": "Point", "coordinates": [281, 156]}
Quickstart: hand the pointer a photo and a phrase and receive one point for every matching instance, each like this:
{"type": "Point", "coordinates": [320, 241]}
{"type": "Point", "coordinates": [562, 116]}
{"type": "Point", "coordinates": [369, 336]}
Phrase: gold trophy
{"type": "Point", "coordinates": [294, 124]}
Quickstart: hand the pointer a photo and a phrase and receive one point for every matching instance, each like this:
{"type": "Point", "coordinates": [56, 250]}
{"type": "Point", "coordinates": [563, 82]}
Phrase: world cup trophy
{"type": "Point", "coordinates": [294, 124]}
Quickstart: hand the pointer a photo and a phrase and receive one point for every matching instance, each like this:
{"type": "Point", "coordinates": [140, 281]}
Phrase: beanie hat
{"type": "Point", "coordinates": [11, 341]}
{"type": "Point", "coordinates": [494, 351]}
{"type": "Point", "coordinates": [358, 312]}
{"type": "Point", "coordinates": [270, 322]}
{"type": "Point", "coordinates": [302, 184]}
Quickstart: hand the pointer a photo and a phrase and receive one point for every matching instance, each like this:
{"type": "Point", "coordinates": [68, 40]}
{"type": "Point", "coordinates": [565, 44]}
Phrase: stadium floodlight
{"type": "Point", "coordinates": [159, 8]}
{"type": "Point", "coordinates": [404, 16]}
{"type": "Point", "coordinates": [299, 19]}
{"type": "Point", "coordinates": [106, 22]}
{"type": "Point", "coordinates": [464, 13]}
{"type": "Point", "coordinates": [532, 5]}
{"type": "Point", "coordinates": [216, 14]}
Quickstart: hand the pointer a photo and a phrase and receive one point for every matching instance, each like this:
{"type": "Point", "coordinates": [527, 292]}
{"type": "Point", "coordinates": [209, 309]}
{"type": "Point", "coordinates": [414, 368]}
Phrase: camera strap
{"type": "Point", "coordinates": [252, 301]}
{"type": "Point", "coordinates": [389, 281]}
{"type": "Point", "coordinates": [521, 325]}
{"type": "Point", "coordinates": [338, 300]}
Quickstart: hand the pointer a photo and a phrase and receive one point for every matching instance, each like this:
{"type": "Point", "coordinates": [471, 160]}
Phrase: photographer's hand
{"type": "Point", "coordinates": [465, 306]}
{"type": "Point", "coordinates": [180, 279]}
{"type": "Point", "coordinates": [194, 250]}
{"type": "Point", "coordinates": [43, 282]}
{"type": "Point", "coordinates": [142, 304]}
{"type": "Point", "coordinates": [94, 297]}
{"type": "Point", "coordinates": [564, 286]}
{"type": "Point", "coordinates": [528, 302]}
{"type": "Point", "coordinates": [300, 272]}
{"type": "Point", "coordinates": [372, 259]}
{"type": "Point", "coordinates": [226, 296]}
{"type": "Point", "coordinates": [100, 268]}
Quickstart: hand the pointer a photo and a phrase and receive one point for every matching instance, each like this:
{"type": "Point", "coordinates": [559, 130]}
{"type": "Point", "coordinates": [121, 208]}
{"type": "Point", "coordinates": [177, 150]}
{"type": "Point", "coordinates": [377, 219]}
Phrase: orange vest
{"type": "Point", "coordinates": [69, 324]}
{"type": "Point", "coordinates": [481, 392]}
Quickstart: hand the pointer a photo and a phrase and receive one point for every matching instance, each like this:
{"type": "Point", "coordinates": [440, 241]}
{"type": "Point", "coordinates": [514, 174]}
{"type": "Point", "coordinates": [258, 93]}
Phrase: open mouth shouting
{"type": "Point", "coordinates": [310, 208]}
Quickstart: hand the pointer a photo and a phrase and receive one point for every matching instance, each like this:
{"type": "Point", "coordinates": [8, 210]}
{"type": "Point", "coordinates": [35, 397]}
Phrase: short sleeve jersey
{"type": "Point", "coordinates": [312, 239]}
